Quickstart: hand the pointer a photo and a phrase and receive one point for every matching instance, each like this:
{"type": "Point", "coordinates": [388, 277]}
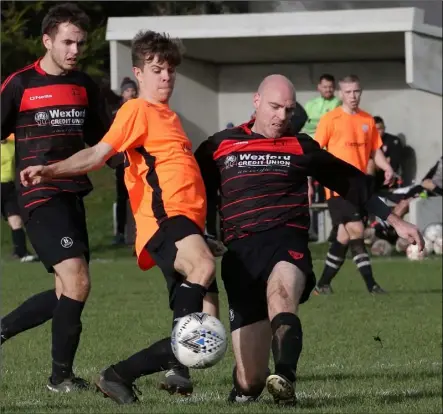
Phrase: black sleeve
{"type": "Point", "coordinates": [99, 116]}
{"type": "Point", "coordinates": [346, 180]}
{"type": "Point", "coordinates": [298, 120]}
{"type": "Point", "coordinates": [431, 172]}
{"type": "Point", "coordinates": [11, 92]}
{"type": "Point", "coordinates": [211, 178]}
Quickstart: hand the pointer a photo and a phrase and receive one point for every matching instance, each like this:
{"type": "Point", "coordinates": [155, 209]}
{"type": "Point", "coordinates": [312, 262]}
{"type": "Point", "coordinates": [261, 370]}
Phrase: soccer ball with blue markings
{"type": "Point", "coordinates": [199, 340]}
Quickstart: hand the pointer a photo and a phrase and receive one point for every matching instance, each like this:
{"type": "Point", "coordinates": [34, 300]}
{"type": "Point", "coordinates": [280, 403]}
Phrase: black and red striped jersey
{"type": "Point", "coordinates": [52, 117]}
{"type": "Point", "coordinates": [262, 182]}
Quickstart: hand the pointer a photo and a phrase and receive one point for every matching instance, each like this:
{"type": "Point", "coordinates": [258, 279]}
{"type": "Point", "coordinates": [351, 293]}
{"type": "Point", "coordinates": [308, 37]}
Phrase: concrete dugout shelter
{"type": "Point", "coordinates": [397, 56]}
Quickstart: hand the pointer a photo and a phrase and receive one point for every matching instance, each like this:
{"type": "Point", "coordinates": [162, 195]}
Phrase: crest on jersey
{"type": "Point", "coordinates": [230, 161]}
{"type": "Point", "coordinates": [42, 118]}
{"type": "Point", "coordinates": [365, 128]}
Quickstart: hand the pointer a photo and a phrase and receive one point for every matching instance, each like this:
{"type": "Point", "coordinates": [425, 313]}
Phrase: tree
{"type": "Point", "coordinates": [21, 32]}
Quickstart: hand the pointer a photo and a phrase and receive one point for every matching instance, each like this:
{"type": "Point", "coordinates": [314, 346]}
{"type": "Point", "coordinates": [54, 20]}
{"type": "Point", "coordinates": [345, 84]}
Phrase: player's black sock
{"type": "Point", "coordinates": [19, 242]}
{"type": "Point", "coordinates": [189, 299]}
{"type": "Point", "coordinates": [361, 259]}
{"type": "Point", "coordinates": [66, 330]}
{"type": "Point", "coordinates": [156, 358]}
{"type": "Point", "coordinates": [31, 313]}
{"type": "Point", "coordinates": [287, 343]}
{"type": "Point", "coordinates": [334, 260]}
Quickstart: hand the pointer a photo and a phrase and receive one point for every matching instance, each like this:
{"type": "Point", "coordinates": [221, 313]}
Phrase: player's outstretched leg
{"type": "Point", "coordinates": [117, 381]}
{"type": "Point", "coordinates": [31, 313]}
{"type": "Point", "coordinates": [66, 324]}
{"type": "Point", "coordinates": [177, 379]}
{"type": "Point", "coordinates": [285, 288]}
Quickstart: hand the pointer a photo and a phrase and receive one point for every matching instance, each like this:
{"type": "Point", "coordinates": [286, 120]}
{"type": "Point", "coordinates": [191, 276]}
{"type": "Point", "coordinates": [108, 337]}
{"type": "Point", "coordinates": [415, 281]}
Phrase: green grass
{"type": "Point", "coordinates": [342, 368]}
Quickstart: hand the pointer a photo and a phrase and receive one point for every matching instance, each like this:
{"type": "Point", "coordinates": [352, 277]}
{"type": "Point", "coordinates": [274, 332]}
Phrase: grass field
{"type": "Point", "coordinates": [342, 368]}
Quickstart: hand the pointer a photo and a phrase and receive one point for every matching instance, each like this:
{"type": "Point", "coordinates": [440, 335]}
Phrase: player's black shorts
{"type": "Point", "coordinates": [57, 230]}
{"type": "Point", "coordinates": [342, 211]}
{"type": "Point", "coordinates": [163, 250]}
{"type": "Point", "coordinates": [248, 263]}
{"type": "Point", "coordinates": [9, 204]}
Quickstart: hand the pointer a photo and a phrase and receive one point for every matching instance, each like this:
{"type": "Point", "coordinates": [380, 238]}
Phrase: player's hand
{"type": "Point", "coordinates": [407, 231]}
{"type": "Point", "coordinates": [389, 176]}
{"type": "Point", "coordinates": [35, 174]}
{"type": "Point", "coordinates": [217, 248]}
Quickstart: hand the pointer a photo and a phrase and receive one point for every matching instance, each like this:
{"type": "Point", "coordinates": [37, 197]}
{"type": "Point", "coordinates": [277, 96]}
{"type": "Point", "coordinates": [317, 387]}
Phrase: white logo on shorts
{"type": "Point", "coordinates": [231, 315]}
{"type": "Point", "coordinates": [66, 242]}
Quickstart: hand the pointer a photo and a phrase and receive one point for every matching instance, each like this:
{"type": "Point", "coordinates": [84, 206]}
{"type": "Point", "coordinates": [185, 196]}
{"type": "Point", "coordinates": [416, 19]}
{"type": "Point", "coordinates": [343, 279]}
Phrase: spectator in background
{"type": "Point", "coordinates": [9, 204]}
{"type": "Point", "coordinates": [129, 91]}
{"type": "Point", "coordinates": [392, 148]}
{"type": "Point", "coordinates": [317, 107]}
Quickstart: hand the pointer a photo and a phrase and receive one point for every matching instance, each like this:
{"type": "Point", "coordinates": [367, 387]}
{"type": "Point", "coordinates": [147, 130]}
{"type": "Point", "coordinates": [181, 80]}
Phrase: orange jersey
{"type": "Point", "coordinates": [350, 137]}
{"type": "Point", "coordinates": [163, 178]}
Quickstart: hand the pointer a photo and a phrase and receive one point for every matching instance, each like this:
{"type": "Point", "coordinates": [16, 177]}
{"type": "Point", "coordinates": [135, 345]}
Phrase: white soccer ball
{"type": "Point", "coordinates": [438, 245]}
{"type": "Point", "coordinates": [381, 248]}
{"type": "Point", "coordinates": [412, 253]}
{"type": "Point", "coordinates": [433, 231]}
{"type": "Point", "coordinates": [429, 246]}
{"type": "Point", "coordinates": [401, 245]}
{"type": "Point", "coordinates": [199, 340]}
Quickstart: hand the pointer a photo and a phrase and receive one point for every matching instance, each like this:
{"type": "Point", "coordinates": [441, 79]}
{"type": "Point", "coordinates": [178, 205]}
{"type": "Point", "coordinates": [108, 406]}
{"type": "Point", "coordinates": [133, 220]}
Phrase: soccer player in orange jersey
{"type": "Point", "coordinates": [168, 200]}
{"type": "Point", "coordinates": [350, 134]}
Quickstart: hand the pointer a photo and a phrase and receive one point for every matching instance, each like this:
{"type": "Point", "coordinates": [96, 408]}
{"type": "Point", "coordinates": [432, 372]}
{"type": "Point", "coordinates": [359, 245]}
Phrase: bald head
{"type": "Point", "coordinates": [276, 82]}
{"type": "Point", "coordinates": [274, 104]}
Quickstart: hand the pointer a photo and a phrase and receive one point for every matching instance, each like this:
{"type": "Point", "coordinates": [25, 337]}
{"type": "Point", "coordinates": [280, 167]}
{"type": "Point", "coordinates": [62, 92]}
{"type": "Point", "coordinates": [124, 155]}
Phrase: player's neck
{"type": "Point", "coordinates": [348, 110]}
{"type": "Point", "coordinates": [151, 99]}
{"type": "Point", "coordinates": [48, 65]}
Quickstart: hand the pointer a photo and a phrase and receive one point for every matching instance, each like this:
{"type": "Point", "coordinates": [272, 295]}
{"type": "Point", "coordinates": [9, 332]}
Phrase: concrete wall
{"type": "Point", "coordinates": [195, 99]}
{"type": "Point", "coordinates": [423, 55]}
{"type": "Point", "coordinates": [414, 114]}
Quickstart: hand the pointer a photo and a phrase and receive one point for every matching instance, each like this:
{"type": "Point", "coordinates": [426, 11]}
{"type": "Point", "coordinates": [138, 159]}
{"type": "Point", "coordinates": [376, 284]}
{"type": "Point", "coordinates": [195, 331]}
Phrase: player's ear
{"type": "Point", "coordinates": [137, 72]}
{"type": "Point", "coordinates": [256, 100]}
{"type": "Point", "coordinates": [47, 41]}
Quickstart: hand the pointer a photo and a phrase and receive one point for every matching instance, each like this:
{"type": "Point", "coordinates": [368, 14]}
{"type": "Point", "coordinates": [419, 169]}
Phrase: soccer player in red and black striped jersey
{"type": "Point", "coordinates": [261, 172]}
{"type": "Point", "coordinates": [54, 110]}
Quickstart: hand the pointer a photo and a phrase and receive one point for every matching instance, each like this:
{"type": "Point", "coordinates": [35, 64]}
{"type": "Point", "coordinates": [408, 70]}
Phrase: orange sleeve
{"type": "Point", "coordinates": [376, 138]}
{"type": "Point", "coordinates": [130, 124]}
{"type": "Point", "coordinates": [323, 132]}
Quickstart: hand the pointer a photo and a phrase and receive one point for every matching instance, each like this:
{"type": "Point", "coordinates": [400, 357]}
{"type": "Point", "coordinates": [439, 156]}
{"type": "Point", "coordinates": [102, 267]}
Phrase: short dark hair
{"type": "Point", "coordinates": [64, 13]}
{"type": "Point", "coordinates": [146, 45]}
{"type": "Point", "coordinates": [328, 77]}
{"type": "Point", "coordinates": [378, 120]}
{"type": "Point", "coordinates": [350, 79]}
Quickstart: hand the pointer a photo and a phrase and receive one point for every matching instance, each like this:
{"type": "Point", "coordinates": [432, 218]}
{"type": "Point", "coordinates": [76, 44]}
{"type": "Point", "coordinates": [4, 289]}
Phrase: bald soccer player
{"type": "Point", "coordinates": [261, 169]}
{"type": "Point", "coordinates": [168, 200]}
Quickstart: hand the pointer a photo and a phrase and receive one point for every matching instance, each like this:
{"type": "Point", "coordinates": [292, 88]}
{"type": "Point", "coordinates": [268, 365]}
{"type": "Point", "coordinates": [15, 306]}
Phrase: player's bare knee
{"type": "Point", "coordinates": [15, 222]}
{"type": "Point", "coordinates": [355, 230]}
{"type": "Point", "coordinates": [74, 276]}
{"type": "Point", "coordinates": [200, 271]}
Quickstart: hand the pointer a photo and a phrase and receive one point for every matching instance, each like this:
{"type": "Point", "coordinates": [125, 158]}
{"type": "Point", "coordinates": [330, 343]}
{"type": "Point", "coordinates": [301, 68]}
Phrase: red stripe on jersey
{"type": "Point", "coordinates": [250, 175]}
{"type": "Point", "coordinates": [289, 145]}
{"type": "Point", "coordinates": [10, 77]}
{"type": "Point", "coordinates": [43, 97]}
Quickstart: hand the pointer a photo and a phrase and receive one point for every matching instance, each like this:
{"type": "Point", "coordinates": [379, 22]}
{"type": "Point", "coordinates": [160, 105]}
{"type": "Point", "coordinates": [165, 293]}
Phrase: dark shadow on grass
{"type": "Point", "coordinates": [354, 376]}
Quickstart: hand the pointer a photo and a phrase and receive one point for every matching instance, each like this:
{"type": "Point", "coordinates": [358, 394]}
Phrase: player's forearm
{"type": "Point", "coordinates": [78, 164]}
{"type": "Point", "coordinates": [381, 161]}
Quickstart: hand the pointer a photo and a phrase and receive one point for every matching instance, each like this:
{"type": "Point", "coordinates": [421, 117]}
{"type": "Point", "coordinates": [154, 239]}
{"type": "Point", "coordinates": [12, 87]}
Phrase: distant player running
{"type": "Point", "coordinates": [168, 200]}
